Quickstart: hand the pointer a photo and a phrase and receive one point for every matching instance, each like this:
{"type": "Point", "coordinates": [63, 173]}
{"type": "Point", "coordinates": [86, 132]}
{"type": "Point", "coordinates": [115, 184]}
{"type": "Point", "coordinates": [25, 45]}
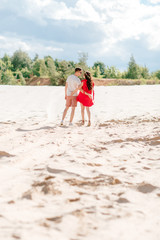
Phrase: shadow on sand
{"type": "Point", "coordinates": [36, 129]}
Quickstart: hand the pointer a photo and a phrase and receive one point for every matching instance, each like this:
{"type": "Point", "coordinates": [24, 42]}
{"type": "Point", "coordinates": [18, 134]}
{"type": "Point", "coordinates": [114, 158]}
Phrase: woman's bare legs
{"type": "Point", "coordinates": [89, 116]}
{"type": "Point", "coordinates": [82, 112]}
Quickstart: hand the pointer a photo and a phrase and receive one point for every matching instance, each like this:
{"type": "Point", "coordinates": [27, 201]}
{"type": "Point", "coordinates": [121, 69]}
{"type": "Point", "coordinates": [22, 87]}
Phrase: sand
{"type": "Point", "coordinates": [78, 182]}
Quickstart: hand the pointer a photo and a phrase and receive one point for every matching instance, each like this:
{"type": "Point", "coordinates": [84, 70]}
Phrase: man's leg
{"type": "Point", "coordinates": [65, 112]}
{"type": "Point", "coordinates": [72, 114]}
{"type": "Point", "coordinates": [74, 105]}
{"type": "Point", "coordinates": [68, 104]}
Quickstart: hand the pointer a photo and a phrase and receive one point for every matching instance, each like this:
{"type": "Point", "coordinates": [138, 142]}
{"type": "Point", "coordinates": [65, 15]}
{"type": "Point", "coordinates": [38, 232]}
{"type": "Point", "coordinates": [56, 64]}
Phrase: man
{"type": "Point", "coordinates": [72, 83]}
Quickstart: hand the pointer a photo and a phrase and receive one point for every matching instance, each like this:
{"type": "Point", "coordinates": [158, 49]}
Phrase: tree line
{"type": "Point", "coordinates": [18, 68]}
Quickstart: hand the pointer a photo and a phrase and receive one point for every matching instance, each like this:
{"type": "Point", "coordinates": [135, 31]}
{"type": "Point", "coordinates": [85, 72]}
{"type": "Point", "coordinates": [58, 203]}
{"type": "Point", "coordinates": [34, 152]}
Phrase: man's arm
{"type": "Point", "coordinates": [88, 94]}
{"type": "Point", "coordinates": [78, 88]}
{"type": "Point", "coordinates": [66, 86]}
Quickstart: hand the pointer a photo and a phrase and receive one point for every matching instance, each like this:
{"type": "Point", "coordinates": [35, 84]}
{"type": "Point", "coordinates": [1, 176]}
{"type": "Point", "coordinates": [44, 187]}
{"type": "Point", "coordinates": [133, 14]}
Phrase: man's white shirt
{"type": "Point", "coordinates": [73, 82]}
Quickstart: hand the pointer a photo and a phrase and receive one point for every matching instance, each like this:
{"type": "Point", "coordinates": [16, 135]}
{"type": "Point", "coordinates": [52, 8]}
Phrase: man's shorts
{"type": "Point", "coordinates": [71, 101]}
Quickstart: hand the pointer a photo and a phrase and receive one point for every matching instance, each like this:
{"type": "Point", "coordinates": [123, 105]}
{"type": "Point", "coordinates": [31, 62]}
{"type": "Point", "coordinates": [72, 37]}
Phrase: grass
{"type": "Point", "coordinates": [125, 82]}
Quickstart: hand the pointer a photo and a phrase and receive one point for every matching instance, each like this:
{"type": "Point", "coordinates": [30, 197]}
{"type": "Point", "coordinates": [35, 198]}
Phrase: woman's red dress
{"type": "Point", "coordinates": [84, 99]}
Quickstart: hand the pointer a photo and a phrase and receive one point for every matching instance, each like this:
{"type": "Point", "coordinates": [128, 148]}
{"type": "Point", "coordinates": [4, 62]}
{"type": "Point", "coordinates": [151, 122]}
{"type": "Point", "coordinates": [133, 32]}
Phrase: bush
{"type": "Point", "coordinates": [8, 78]}
{"type": "Point", "coordinates": [26, 72]}
{"type": "Point", "coordinates": [20, 60]}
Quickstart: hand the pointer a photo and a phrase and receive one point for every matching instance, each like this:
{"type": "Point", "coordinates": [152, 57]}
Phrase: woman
{"type": "Point", "coordinates": [85, 96]}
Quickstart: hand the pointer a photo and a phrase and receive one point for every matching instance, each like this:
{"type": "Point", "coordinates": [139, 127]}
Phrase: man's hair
{"type": "Point", "coordinates": [78, 69]}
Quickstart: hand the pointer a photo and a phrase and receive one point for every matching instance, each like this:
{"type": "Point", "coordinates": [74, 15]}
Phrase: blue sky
{"type": "Point", "coordinates": [108, 30]}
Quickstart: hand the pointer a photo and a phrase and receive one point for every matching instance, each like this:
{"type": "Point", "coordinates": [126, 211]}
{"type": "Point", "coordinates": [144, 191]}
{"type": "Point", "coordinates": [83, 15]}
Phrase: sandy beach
{"type": "Point", "coordinates": [78, 182]}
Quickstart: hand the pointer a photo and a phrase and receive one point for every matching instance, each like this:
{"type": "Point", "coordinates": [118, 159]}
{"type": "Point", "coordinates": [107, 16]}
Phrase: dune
{"type": "Point", "coordinates": [78, 182]}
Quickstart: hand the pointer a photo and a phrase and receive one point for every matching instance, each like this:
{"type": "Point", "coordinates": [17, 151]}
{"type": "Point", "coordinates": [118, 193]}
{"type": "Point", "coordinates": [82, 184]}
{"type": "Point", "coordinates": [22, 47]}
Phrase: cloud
{"type": "Point", "coordinates": [98, 27]}
{"type": "Point", "coordinates": [119, 20]}
{"type": "Point", "coordinates": [154, 1]}
{"type": "Point", "coordinates": [31, 46]}
{"type": "Point", "coordinates": [42, 10]}
{"type": "Point", "coordinates": [128, 20]}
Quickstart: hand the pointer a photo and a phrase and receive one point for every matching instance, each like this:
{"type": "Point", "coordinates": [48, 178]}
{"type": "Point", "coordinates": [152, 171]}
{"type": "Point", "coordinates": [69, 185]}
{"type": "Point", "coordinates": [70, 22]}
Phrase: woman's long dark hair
{"type": "Point", "coordinates": [89, 80]}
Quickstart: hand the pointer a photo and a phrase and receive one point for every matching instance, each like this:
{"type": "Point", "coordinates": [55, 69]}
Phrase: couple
{"type": "Point", "coordinates": [73, 84]}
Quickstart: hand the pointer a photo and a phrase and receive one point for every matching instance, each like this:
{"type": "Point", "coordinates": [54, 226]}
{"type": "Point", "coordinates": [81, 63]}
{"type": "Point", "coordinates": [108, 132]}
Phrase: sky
{"type": "Point", "coordinates": [110, 31]}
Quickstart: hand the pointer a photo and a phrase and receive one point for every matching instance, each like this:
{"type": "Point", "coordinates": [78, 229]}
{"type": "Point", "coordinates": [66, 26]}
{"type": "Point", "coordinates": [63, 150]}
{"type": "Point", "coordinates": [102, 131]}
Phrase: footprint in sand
{"type": "Point", "coordinates": [11, 202]}
{"type": "Point", "coordinates": [55, 219]}
{"type": "Point", "coordinates": [44, 224]}
{"type": "Point", "coordinates": [5, 154]}
{"type": "Point", "coordinates": [27, 195]}
{"type": "Point", "coordinates": [47, 187]}
{"type": "Point", "coordinates": [49, 177]}
{"type": "Point", "coordinates": [16, 236]}
{"type": "Point", "coordinates": [94, 164]}
{"type": "Point", "coordinates": [74, 200]}
{"type": "Point", "coordinates": [122, 169]}
{"type": "Point", "coordinates": [146, 168]}
{"type": "Point", "coordinates": [146, 188]}
{"type": "Point", "coordinates": [122, 200]}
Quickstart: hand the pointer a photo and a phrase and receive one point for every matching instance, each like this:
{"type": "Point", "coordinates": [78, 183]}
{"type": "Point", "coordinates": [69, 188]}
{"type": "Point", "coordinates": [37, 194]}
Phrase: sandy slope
{"type": "Point", "coordinates": [77, 182]}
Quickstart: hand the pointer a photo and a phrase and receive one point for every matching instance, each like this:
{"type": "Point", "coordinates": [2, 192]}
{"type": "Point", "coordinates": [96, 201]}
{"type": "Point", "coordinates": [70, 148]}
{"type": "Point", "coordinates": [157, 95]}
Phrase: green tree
{"type": "Point", "coordinates": [0, 77]}
{"type": "Point", "coordinates": [101, 66]}
{"type": "Point", "coordinates": [72, 64]}
{"type": "Point", "coordinates": [26, 73]}
{"type": "Point", "coordinates": [97, 72]}
{"type": "Point", "coordinates": [36, 68]}
{"type": "Point", "coordinates": [82, 57]}
{"type": "Point", "coordinates": [48, 59]}
{"type": "Point", "coordinates": [20, 78]}
{"type": "Point", "coordinates": [7, 60]}
{"type": "Point", "coordinates": [91, 70]}
{"type": "Point", "coordinates": [8, 78]}
{"type": "Point", "coordinates": [124, 74]}
{"type": "Point", "coordinates": [36, 57]}
{"type": "Point", "coordinates": [56, 62]}
{"type": "Point", "coordinates": [118, 74]}
{"type": "Point", "coordinates": [52, 72]}
{"type": "Point", "coordinates": [133, 69]}
{"type": "Point", "coordinates": [144, 72]}
{"type": "Point", "coordinates": [64, 70]}
{"type": "Point", "coordinates": [2, 66]}
{"type": "Point", "coordinates": [2, 70]}
{"type": "Point", "coordinates": [43, 69]}
{"type": "Point", "coordinates": [112, 72]}
{"type": "Point", "coordinates": [39, 68]}
{"type": "Point", "coordinates": [157, 74]}
{"type": "Point", "coordinates": [20, 60]}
